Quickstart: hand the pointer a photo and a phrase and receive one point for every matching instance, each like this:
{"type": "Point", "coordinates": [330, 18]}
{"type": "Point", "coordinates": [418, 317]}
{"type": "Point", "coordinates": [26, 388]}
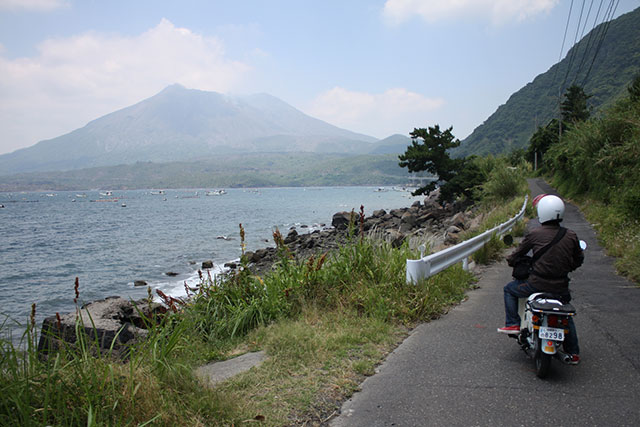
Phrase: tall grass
{"type": "Point", "coordinates": [366, 275]}
{"type": "Point", "coordinates": [80, 385]}
{"type": "Point", "coordinates": [619, 233]}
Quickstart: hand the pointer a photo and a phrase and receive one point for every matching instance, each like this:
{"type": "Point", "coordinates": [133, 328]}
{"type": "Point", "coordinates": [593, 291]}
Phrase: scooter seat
{"type": "Point", "coordinates": [551, 305]}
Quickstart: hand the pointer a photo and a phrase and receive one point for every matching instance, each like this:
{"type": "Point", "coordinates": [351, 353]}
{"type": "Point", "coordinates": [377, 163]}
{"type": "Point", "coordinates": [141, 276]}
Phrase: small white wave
{"type": "Point", "coordinates": [176, 288]}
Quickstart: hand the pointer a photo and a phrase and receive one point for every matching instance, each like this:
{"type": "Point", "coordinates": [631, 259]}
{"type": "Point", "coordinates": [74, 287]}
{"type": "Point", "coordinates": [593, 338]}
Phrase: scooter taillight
{"type": "Point", "coordinates": [552, 321]}
{"type": "Point", "coordinates": [564, 321]}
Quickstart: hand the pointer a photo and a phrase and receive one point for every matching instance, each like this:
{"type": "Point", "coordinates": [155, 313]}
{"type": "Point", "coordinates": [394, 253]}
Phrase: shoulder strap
{"type": "Point", "coordinates": [559, 235]}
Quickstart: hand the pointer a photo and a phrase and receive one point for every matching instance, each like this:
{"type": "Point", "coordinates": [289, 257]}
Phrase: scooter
{"type": "Point", "coordinates": [545, 324]}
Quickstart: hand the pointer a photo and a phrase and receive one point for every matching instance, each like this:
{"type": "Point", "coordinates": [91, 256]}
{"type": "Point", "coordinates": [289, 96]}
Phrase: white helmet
{"type": "Point", "coordinates": [550, 208]}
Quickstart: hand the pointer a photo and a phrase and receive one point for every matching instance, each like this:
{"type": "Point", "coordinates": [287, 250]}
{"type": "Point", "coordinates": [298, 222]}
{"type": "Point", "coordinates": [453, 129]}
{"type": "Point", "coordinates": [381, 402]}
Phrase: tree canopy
{"type": "Point", "coordinates": [428, 152]}
{"type": "Point", "coordinates": [574, 107]}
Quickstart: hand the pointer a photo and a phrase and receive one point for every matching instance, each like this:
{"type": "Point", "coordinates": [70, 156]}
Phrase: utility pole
{"type": "Point", "coordinates": [559, 114]}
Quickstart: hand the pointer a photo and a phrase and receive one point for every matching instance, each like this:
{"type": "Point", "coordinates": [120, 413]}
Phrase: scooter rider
{"type": "Point", "coordinates": [550, 272]}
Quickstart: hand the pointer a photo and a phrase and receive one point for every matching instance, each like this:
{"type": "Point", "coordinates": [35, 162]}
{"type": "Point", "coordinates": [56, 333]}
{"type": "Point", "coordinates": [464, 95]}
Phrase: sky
{"type": "Point", "coordinates": [370, 66]}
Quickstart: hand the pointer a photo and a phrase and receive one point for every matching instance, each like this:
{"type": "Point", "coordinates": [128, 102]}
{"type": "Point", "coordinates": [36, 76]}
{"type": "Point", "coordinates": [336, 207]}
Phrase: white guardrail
{"type": "Point", "coordinates": [432, 264]}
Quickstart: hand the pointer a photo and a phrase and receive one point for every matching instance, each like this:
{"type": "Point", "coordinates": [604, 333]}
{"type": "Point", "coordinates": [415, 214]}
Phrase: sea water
{"type": "Point", "coordinates": [109, 241]}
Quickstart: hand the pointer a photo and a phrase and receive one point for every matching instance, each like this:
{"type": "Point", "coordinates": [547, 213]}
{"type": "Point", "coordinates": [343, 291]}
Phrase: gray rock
{"type": "Point", "coordinates": [207, 264]}
{"type": "Point", "coordinates": [114, 323]}
{"type": "Point", "coordinates": [291, 237]}
{"type": "Point", "coordinates": [396, 238]}
{"type": "Point", "coordinates": [341, 220]}
{"type": "Point", "coordinates": [397, 212]}
{"type": "Point", "coordinates": [452, 229]}
{"type": "Point", "coordinates": [458, 220]}
{"type": "Point", "coordinates": [259, 255]}
{"type": "Point", "coordinates": [139, 283]}
{"type": "Point", "coordinates": [408, 218]}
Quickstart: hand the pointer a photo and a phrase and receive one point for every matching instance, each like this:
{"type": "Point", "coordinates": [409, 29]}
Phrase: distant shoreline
{"type": "Point", "coordinates": [386, 187]}
{"type": "Point", "coordinates": [269, 170]}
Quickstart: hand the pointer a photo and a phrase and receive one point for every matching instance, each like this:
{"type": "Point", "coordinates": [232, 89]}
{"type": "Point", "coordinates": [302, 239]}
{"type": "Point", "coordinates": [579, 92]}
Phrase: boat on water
{"type": "Point", "coordinates": [216, 193]}
{"type": "Point", "coordinates": [158, 192]}
{"type": "Point", "coordinates": [81, 195]}
{"type": "Point", "coordinates": [106, 193]}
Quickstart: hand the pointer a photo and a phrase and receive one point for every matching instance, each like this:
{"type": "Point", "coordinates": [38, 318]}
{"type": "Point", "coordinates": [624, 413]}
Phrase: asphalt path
{"type": "Point", "coordinates": [458, 371]}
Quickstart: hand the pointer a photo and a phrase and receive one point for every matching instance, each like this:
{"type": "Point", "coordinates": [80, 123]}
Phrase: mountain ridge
{"type": "Point", "coordinates": [180, 124]}
{"type": "Point", "coordinates": [617, 61]}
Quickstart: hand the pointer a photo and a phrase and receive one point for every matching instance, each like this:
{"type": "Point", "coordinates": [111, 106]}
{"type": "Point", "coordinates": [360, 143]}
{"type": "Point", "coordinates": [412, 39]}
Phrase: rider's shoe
{"type": "Point", "coordinates": [573, 359]}
{"type": "Point", "coordinates": [512, 330]}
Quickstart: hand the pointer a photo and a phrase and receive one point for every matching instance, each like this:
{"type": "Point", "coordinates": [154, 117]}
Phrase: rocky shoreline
{"type": "Point", "coordinates": [117, 320]}
{"type": "Point", "coordinates": [425, 221]}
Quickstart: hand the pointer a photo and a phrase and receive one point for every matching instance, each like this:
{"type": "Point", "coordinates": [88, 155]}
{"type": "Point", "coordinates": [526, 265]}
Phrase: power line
{"type": "Point", "coordinates": [574, 48]}
{"type": "Point", "coordinates": [591, 36]}
{"type": "Point", "coordinates": [566, 28]}
{"type": "Point", "coordinates": [604, 34]}
{"type": "Point", "coordinates": [586, 49]}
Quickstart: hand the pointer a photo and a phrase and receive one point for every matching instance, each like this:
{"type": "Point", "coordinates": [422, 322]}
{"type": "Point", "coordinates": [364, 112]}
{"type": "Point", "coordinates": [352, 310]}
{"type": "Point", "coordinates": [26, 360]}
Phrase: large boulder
{"type": "Point", "coordinates": [431, 201]}
{"type": "Point", "coordinates": [395, 237]}
{"type": "Point", "coordinates": [114, 323]}
{"type": "Point", "coordinates": [407, 222]}
{"type": "Point", "coordinates": [458, 220]}
{"type": "Point", "coordinates": [341, 220]}
{"type": "Point", "coordinates": [291, 237]}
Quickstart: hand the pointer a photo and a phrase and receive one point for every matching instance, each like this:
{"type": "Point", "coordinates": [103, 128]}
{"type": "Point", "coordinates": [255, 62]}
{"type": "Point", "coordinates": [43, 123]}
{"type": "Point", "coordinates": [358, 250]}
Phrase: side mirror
{"type": "Point", "coordinates": [508, 239]}
{"type": "Point", "coordinates": [583, 245]}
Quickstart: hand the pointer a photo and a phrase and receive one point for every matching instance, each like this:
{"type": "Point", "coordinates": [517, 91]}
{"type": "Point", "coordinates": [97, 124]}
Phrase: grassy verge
{"type": "Point", "coordinates": [325, 323]}
{"type": "Point", "coordinates": [618, 233]}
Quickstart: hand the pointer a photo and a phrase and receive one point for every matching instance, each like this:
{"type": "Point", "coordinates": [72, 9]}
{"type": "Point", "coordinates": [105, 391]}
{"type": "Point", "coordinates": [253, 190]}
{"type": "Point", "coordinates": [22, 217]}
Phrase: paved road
{"type": "Point", "coordinates": [458, 371]}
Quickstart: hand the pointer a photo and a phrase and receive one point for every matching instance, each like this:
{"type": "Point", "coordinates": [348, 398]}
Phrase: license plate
{"type": "Point", "coordinates": [554, 334]}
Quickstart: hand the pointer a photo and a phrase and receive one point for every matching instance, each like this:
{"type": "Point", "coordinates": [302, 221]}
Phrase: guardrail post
{"type": "Point", "coordinates": [465, 264]}
{"type": "Point", "coordinates": [417, 269]}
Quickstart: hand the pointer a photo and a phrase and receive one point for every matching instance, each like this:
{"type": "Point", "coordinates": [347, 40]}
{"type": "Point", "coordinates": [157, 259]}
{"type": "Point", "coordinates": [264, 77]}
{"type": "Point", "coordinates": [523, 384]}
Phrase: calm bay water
{"type": "Point", "coordinates": [47, 240]}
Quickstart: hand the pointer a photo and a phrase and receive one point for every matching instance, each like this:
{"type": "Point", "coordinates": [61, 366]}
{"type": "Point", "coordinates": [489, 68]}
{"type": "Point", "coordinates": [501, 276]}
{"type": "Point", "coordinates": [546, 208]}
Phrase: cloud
{"type": "Point", "coordinates": [33, 5]}
{"type": "Point", "coordinates": [394, 111]}
{"type": "Point", "coordinates": [77, 79]}
{"type": "Point", "coordinates": [497, 11]}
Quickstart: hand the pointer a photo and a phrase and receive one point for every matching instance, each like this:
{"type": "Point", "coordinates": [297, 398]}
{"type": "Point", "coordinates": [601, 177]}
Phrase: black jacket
{"type": "Point", "coordinates": [550, 272]}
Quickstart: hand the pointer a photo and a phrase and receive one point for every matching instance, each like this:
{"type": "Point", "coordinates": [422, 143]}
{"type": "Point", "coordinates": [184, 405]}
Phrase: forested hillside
{"type": "Point", "coordinates": [246, 170]}
{"type": "Point", "coordinates": [597, 162]}
{"type": "Point", "coordinates": [617, 45]}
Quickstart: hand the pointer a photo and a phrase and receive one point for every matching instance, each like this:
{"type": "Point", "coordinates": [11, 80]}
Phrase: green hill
{"type": "Point", "coordinates": [617, 61]}
{"type": "Point", "coordinates": [248, 170]}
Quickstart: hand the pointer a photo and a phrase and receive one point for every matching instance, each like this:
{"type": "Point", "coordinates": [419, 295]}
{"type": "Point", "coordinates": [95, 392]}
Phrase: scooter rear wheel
{"type": "Point", "coordinates": [542, 360]}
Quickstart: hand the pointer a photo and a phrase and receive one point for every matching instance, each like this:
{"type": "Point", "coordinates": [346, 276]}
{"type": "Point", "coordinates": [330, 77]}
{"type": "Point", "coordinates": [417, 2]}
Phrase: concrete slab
{"type": "Point", "coordinates": [216, 372]}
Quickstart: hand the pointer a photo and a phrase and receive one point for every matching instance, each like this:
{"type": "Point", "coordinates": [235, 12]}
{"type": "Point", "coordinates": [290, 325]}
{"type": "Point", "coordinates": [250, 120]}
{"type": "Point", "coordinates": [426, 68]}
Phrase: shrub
{"type": "Point", "coordinates": [504, 183]}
